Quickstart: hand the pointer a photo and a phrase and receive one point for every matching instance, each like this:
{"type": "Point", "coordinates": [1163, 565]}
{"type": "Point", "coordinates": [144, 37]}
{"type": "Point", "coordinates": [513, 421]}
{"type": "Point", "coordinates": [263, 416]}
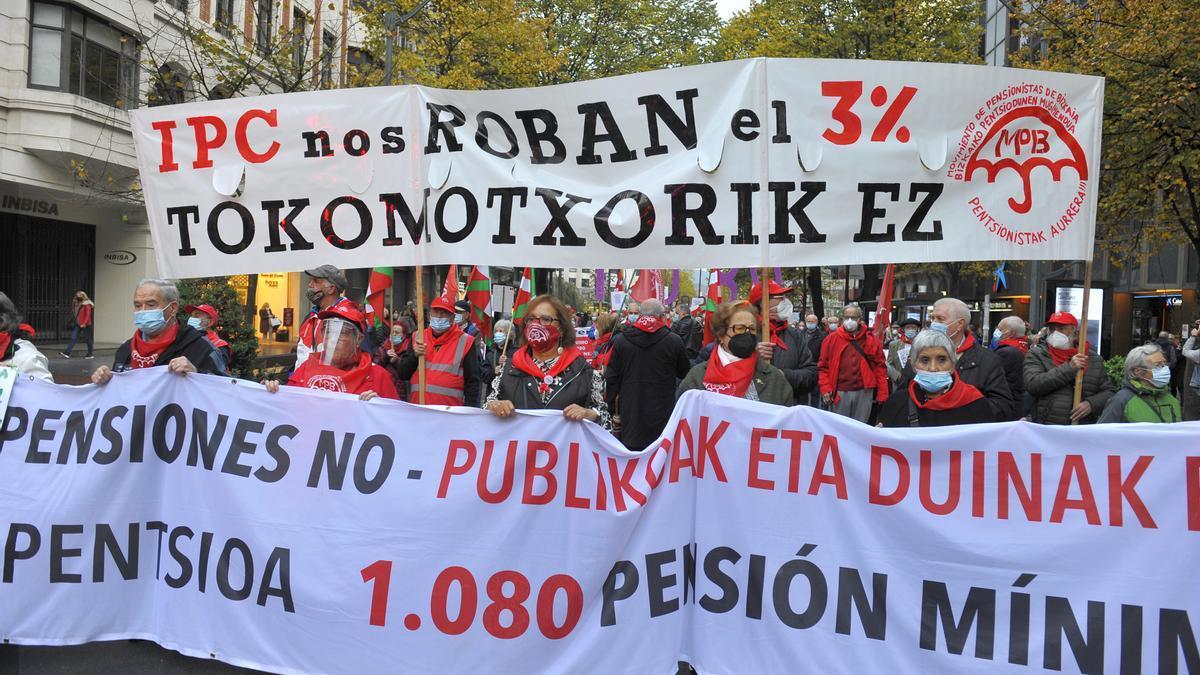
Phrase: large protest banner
{"type": "Point", "coordinates": [309, 532]}
{"type": "Point", "coordinates": [735, 164]}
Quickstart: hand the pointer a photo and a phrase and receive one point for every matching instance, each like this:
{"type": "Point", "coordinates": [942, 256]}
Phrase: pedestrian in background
{"type": "Point", "coordinates": [16, 350]}
{"type": "Point", "coordinates": [900, 350]}
{"type": "Point", "coordinates": [1191, 352]}
{"type": "Point", "coordinates": [82, 320]}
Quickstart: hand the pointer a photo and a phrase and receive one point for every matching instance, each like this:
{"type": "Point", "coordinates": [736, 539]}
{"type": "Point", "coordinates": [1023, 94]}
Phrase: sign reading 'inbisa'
{"type": "Point", "coordinates": [795, 162]}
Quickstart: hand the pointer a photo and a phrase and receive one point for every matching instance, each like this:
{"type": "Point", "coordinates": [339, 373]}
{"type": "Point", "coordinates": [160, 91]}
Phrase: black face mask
{"type": "Point", "coordinates": [742, 345]}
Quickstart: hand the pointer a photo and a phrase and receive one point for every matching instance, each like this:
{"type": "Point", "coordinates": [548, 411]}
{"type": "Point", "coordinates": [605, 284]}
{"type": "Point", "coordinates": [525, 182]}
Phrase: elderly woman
{"type": "Point", "coordinates": [547, 372]}
{"type": "Point", "coordinates": [935, 396]}
{"type": "Point", "coordinates": [734, 368]}
{"type": "Point", "coordinates": [342, 365]}
{"type": "Point", "coordinates": [504, 343]}
{"type": "Point", "coordinates": [1145, 396]}
{"type": "Point", "coordinates": [15, 348]}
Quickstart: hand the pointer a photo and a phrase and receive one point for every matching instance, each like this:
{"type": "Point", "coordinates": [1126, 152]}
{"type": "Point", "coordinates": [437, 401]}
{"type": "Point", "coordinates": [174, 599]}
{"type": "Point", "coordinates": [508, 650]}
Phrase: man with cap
{"type": "Point", "coordinates": [203, 318]}
{"type": "Point", "coordinates": [1050, 369]}
{"type": "Point", "coordinates": [341, 365]}
{"type": "Point", "coordinates": [452, 366]}
{"type": "Point", "coordinates": [326, 285]}
{"type": "Point", "coordinates": [160, 339]}
{"type": "Point", "coordinates": [899, 349]}
{"type": "Point", "coordinates": [787, 348]}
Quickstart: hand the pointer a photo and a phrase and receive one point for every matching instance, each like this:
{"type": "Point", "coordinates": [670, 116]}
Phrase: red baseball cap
{"type": "Point", "coordinates": [206, 308]}
{"type": "Point", "coordinates": [346, 312]}
{"type": "Point", "coordinates": [1063, 319]}
{"type": "Point", "coordinates": [442, 302]}
{"type": "Point", "coordinates": [773, 289]}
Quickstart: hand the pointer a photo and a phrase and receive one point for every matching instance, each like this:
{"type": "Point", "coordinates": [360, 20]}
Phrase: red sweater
{"type": "Point", "coordinates": [872, 371]}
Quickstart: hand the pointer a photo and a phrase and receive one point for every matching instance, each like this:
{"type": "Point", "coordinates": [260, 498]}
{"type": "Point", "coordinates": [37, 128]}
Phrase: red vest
{"type": "Point", "coordinates": [443, 368]}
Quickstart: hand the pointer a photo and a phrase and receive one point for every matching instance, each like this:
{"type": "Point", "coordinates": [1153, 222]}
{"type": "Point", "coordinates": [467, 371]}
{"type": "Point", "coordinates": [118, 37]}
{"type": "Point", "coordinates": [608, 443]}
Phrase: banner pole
{"type": "Point", "coordinates": [1083, 318]}
{"type": "Point", "coordinates": [766, 306]}
{"type": "Point", "coordinates": [421, 332]}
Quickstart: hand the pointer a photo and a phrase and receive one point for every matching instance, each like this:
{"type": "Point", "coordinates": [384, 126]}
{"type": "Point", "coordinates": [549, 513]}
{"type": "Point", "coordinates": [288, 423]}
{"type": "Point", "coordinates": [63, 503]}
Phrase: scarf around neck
{"type": "Point", "coordinates": [144, 353]}
{"type": "Point", "coordinates": [523, 361]}
{"type": "Point", "coordinates": [733, 379]}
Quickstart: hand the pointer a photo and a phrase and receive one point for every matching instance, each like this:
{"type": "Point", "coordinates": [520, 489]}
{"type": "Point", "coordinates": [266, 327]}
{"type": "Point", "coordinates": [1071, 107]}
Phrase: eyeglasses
{"type": "Point", "coordinates": [739, 328]}
{"type": "Point", "coordinates": [544, 320]}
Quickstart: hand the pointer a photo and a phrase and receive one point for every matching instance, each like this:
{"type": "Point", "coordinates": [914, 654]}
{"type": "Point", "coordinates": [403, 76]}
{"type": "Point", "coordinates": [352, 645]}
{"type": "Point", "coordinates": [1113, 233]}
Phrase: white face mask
{"type": "Point", "coordinates": [1058, 340]}
{"type": "Point", "coordinates": [850, 325]}
{"type": "Point", "coordinates": [784, 309]}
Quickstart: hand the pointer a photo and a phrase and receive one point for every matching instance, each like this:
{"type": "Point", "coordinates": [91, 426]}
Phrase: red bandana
{"type": "Point", "coordinates": [316, 375]}
{"type": "Point", "coordinates": [967, 343]}
{"type": "Point", "coordinates": [144, 353]}
{"type": "Point", "coordinates": [5, 340]}
{"type": "Point", "coordinates": [1061, 356]}
{"type": "Point", "coordinates": [523, 361]}
{"type": "Point", "coordinates": [959, 394]}
{"type": "Point", "coordinates": [650, 324]}
{"type": "Point", "coordinates": [733, 379]}
{"type": "Point", "coordinates": [1020, 343]}
{"type": "Point", "coordinates": [777, 330]}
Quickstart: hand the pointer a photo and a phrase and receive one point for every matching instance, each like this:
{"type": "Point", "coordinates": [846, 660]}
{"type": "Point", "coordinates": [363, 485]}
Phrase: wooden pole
{"type": "Point", "coordinates": [1083, 319]}
{"type": "Point", "coordinates": [421, 332]}
{"type": "Point", "coordinates": [766, 306]}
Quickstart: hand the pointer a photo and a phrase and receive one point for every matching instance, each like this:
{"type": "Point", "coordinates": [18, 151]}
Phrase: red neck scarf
{"type": "Point", "coordinates": [967, 343]}
{"type": "Point", "coordinates": [1061, 356]}
{"type": "Point", "coordinates": [959, 394]}
{"type": "Point", "coordinates": [777, 329]}
{"type": "Point", "coordinates": [316, 375]}
{"type": "Point", "coordinates": [215, 339]}
{"type": "Point", "coordinates": [144, 353]}
{"type": "Point", "coordinates": [862, 333]}
{"type": "Point", "coordinates": [733, 379]}
{"type": "Point", "coordinates": [602, 351]}
{"type": "Point", "coordinates": [5, 340]}
{"type": "Point", "coordinates": [649, 324]}
{"type": "Point", "coordinates": [1021, 343]}
{"type": "Point", "coordinates": [432, 341]}
{"type": "Point", "coordinates": [523, 361]}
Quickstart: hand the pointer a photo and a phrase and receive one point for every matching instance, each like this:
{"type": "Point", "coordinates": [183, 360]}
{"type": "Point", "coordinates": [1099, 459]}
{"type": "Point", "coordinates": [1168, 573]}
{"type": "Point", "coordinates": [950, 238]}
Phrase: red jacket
{"type": "Point", "coordinates": [83, 315]}
{"type": "Point", "coordinates": [874, 370]}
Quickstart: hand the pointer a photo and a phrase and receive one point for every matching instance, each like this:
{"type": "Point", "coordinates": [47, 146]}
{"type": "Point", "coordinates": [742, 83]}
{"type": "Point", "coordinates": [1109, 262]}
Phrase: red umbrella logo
{"type": "Point", "coordinates": [1023, 140]}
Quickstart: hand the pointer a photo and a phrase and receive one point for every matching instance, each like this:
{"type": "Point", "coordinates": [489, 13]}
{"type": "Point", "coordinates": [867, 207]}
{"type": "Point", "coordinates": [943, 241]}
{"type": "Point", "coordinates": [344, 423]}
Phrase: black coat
{"type": "Point", "coordinates": [1013, 360]}
{"type": "Point", "coordinates": [691, 332]}
{"type": "Point", "coordinates": [797, 363]}
{"type": "Point", "coordinates": [574, 386]}
{"type": "Point", "coordinates": [190, 343]}
{"type": "Point", "coordinates": [982, 369]}
{"type": "Point", "coordinates": [896, 412]}
{"type": "Point", "coordinates": [639, 382]}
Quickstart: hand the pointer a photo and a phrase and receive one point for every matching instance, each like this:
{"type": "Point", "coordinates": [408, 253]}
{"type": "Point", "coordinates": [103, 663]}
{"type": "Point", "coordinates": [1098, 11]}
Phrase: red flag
{"type": "Point", "coordinates": [524, 295]}
{"type": "Point", "coordinates": [646, 286]}
{"type": "Point", "coordinates": [620, 286]}
{"type": "Point", "coordinates": [883, 310]}
{"type": "Point", "coordinates": [450, 289]}
{"type": "Point", "coordinates": [381, 280]}
{"type": "Point", "coordinates": [710, 303]}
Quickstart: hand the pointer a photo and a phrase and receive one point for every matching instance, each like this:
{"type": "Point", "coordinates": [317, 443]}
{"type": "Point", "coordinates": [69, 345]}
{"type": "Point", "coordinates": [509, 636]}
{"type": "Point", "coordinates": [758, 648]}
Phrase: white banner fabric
{"type": "Point", "coordinates": [750, 163]}
{"type": "Point", "coordinates": [309, 532]}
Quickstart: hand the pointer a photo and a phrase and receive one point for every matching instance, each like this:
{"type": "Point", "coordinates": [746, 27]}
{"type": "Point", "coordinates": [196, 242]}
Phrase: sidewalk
{"type": "Point", "coordinates": [77, 369]}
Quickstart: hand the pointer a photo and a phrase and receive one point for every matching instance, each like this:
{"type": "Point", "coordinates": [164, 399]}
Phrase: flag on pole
{"type": "Point", "coordinates": [999, 283]}
{"type": "Point", "coordinates": [601, 279]}
{"type": "Point", "coordinates": [647, 286]}
{"type": "Point", "coordinates": [479, 294]}
{"type": "Point", "coordinates": [524, 295]}
{"type": "Point", "coordinates": [450, 289]}
{"type": "Point", "coordinates": [380, 281]}
{"type": "Point", "coordinates": [883, 310]}
{"type": "Point", "coordinates": [711, 300]}
{"type": "Point", "coordinates": [620, 285]}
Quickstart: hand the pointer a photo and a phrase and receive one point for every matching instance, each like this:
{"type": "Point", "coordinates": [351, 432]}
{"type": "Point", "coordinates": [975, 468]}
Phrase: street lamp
{"type": "Point", "coordinates": [391, 21]}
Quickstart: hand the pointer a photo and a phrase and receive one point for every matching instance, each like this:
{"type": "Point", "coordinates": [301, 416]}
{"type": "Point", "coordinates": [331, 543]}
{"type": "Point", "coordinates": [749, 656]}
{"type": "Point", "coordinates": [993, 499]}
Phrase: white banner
{"type": "Point", "coordinates": [743, 163]}
{"type": "Point", "coordinates": [309, 532]}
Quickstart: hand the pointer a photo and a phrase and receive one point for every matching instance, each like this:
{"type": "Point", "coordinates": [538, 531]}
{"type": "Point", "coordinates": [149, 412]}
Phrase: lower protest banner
{"type": "Point", "coordinates": [309, 532]}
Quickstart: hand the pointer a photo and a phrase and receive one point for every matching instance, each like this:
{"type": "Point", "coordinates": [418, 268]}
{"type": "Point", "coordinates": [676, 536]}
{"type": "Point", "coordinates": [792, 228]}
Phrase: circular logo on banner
{"type": "Point", "coordinates": [1022, 146]}
{"type": "Point", "coordinates": [327, 382]}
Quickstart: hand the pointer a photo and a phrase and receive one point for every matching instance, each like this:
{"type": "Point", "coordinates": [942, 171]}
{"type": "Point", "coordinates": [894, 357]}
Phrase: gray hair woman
{"type": "Point", "coordinates": [1145, 396]}
{"type": "Point", "coordinates": [935, 396]}
{"type": "Point", "coordinates": [15, 348]}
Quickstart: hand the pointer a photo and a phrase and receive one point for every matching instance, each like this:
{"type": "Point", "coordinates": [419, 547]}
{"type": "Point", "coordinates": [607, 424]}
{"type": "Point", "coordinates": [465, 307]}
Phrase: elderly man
{"type": "Point", "coordinates": [688, 329]}
{"type": "Point", "coordinates": [452, 362]}
{"type": "Point", "coordinates": [342, 365]}
{"type": "Point", "coordinates": [1050, 370]}
{"type": "Point", "coordinates": [203, 318]}
{"type": "Point", "coordinates": [160, 339]}
{"type": "Point", "coordinates": [1011, 347]}
{"type": "Point", "coordinates": [786, 348]}
{"type": "Point", "coordinates": [977, 366]}
{"type": "Point", "coordinates": [326, 286]}
{"type": "Point", "coordinates": [1145, 396]}
{"type": "Point", "coordinates": [852, 372]}
{"type": "Point", "coordinates": [645, 361]}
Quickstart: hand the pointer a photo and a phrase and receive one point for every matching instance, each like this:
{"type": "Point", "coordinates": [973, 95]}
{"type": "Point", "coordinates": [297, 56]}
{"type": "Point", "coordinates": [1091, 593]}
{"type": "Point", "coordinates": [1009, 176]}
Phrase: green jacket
{"type": "Point", "coordinates": [1138, 402]}
{"type": "Point", "coordinates": [770, 383]}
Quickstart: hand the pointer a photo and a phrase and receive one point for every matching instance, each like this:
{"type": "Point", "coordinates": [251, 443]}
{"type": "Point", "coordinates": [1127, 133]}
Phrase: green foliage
{"type": "Point", "coordinates": [1149, 56]}
{"type": "Point", "coordinates": [1115, 367]}
{"type": "Point", "coordinates": [231, 318]}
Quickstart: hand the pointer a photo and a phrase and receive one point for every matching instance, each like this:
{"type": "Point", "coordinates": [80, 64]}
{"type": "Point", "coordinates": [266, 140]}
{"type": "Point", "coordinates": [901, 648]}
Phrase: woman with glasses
{"type": "Point", "coordinates": [734, 367]}
{"type": "Point", "coordinates": [547, 372]}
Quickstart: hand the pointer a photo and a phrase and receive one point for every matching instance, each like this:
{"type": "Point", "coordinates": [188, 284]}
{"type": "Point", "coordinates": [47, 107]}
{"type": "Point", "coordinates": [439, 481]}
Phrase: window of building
{"type": "Point", "coordinates": [78, 53]}
{"type": "Point", "coordinates": [264, 26]}
{"type": "Point", "coordinates": [171, 85]}
{"type": "Point", "coordinates": [181, 5]}
{"type": "Point", "coordinates": [224, 19]}
{"type": "Point", "coordinates": [328, 47]}
{"type": "Point", "coordinates": [299, 39]}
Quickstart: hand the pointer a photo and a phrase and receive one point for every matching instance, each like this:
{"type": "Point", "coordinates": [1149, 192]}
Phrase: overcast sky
{"type": "Point", "coordinates": [726, 8]}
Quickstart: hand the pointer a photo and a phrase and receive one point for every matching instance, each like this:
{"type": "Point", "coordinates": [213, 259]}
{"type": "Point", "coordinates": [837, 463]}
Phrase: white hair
{"type": "Point", "coordinates": [927, 339]}
{"type": "Point", "coordinates": [1138, 357]}
{"type": "Point", "coordinates": [957, 308]}
{"type": "Point", "coordinates": [652, 307]}
{"type": "Point", "coordinates": [169, 290]}
{"type": "Point", "coordinates": [1012, 324]}
{"type": "Point", "coordinates": [853, 305]}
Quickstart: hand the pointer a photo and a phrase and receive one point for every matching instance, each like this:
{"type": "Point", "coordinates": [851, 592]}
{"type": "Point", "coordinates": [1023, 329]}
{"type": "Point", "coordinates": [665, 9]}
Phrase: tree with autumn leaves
{"type": "Point", "coordinates": [1149, 55]}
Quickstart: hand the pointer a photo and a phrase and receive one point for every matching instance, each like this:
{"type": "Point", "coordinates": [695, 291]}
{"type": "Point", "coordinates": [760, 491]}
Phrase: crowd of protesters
{"type": "Point", "coordinates": [937, 373]}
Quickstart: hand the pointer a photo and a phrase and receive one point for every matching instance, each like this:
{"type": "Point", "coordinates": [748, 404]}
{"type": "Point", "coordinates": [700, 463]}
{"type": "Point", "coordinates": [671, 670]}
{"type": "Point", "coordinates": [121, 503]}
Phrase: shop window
{"type": "Point", "coordinates": [78, 53]}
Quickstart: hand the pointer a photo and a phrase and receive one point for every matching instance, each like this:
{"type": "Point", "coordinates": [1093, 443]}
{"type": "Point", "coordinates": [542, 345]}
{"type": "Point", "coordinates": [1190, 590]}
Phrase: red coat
{"type": "Point", "coordinates": [83, 315]}
{"type": "Point", "coordinates": [365, 376]}
{"type": "Point", "coordinates": [874, 370]}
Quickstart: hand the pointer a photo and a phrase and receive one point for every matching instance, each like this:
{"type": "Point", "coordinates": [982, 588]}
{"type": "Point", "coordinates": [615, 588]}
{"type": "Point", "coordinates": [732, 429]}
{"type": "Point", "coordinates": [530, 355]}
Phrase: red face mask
{"type": "Point", "coordinates": [541, 337]}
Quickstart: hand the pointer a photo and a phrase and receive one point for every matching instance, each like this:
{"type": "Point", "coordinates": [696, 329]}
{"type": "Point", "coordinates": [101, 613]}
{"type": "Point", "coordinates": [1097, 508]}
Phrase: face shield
{"type": "Point", "coordinates": [339, 343]}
